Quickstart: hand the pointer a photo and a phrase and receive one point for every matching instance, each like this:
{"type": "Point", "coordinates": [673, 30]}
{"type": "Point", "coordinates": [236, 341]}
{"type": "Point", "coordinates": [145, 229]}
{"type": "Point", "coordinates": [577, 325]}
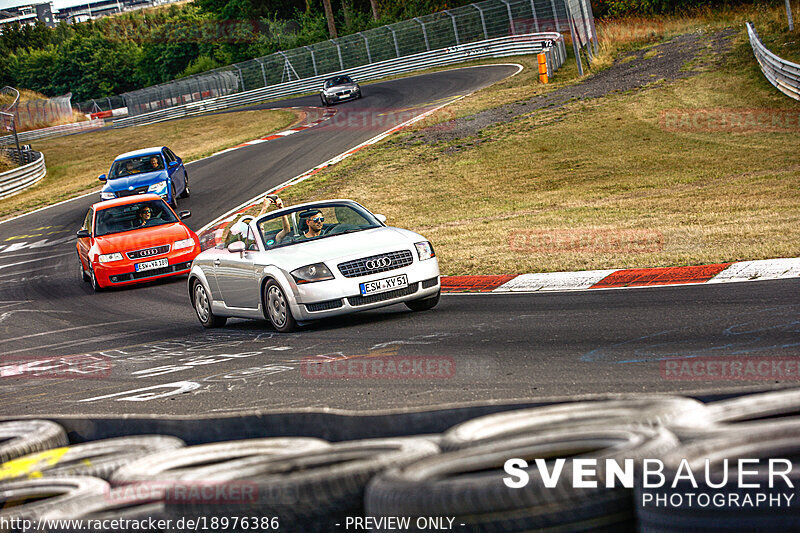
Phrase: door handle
{"type": "Point", "coordinates": [216, 262]}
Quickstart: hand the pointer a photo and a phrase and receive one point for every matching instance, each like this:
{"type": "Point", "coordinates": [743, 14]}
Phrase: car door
{"type": "Point", "coordinates": [236, 276]}
{"type": "Point", "coordinates": [177, 172]}
{"type": "Point", "coordinates": [85, 243]}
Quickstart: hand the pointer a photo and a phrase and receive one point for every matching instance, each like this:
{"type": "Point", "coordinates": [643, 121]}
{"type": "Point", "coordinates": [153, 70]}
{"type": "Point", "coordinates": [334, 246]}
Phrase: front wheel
{"type": "Point", "coordinates": [424, 304]}
{"type": "Point", "coordinates": [173, 202]}
{"type": "Point", "coordinates": [202, 306]}
{"type": "Point", "coordinates": [323, 100]}
{"type": "Point", "coordinates": [277, 308]}
{"type": "Point", "coordinates": [186, 192]}
{"type": "Point", "coordinates": [93, 280]}
{"type": "Point", "coordinates": [84, 275]}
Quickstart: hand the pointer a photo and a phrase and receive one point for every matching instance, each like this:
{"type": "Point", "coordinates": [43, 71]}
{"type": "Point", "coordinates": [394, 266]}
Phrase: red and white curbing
{"type": "Point", "coordinates": [766, 269]}
{"type": "Point", "coordinates": [326, 114]}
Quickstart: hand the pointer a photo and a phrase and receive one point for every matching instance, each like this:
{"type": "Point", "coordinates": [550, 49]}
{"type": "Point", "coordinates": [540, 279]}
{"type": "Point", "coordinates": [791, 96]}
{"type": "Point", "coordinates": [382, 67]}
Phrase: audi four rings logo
{"type": "Point", "coordinates": [150, 251]}
{"type": "Point", "coordinates": [372, 264]}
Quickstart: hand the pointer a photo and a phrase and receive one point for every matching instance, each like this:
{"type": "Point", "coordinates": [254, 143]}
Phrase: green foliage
{"type": "Point", "coordinates": [615, 8]}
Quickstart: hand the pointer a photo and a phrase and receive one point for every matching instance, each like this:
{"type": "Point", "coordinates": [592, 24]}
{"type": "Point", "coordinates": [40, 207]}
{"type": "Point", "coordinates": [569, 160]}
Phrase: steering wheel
{"type": "Point", "coordinates": [328, 229]}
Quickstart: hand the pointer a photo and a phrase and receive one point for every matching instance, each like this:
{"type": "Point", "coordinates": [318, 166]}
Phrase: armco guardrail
{"type": "Point", "coordinates": [552, 44]}
{"type": "Point", "coordinates": [784, 75]}
{"type": "Point", "coordinates": [54, 131]}
{"type": "Point", "coordinates": [15, 180]}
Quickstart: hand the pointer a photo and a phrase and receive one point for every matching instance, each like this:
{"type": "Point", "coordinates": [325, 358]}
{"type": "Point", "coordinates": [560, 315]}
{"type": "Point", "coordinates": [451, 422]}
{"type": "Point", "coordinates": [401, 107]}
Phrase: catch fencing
{"type": "Point", "coordinates": [32, 114]}
{"type": "Point", "coordinates": [784, 75]}
{"type": "Point", "coordinates": [551, 44]}
{"type": "Point", "coordinates": [480, 22]}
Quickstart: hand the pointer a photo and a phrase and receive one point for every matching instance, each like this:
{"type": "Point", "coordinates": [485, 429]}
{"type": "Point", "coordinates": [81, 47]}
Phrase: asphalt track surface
{"type": "Point", "coordinates": [142, 350]}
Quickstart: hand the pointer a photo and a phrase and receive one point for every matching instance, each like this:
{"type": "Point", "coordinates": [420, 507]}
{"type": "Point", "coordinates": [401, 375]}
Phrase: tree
{"type": "Point", "coordinates": [374, 5]}
{"type": "Point", "coordinates": [329, 16]}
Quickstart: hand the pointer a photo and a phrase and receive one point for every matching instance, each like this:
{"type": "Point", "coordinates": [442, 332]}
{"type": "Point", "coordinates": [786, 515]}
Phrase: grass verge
{"type": "Point", "coordinates": [604, 183]}
{"type": "Point", "coordinates": [75, 161]}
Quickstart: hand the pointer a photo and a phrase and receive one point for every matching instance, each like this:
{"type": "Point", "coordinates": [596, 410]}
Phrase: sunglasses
{"type": "Point", "coordinates": [318, 219]}
{"type": "Point", "coordinates": [147, 212]}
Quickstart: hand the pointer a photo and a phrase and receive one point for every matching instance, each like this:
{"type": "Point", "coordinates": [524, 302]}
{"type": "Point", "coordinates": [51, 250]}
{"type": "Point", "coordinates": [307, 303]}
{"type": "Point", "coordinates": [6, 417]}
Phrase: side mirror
{"type": "Point", "coordinates": [172, 164]}
{"type": "Point", "coordinates": [236, 247]}
{"type": "Point", "coordinates": [184, 214]}
{"type": "Point", "coordinates": [381, 218]}
{"type": "Point", "coordinates": [102, 177]}
{"type": "Point", "coordinates": [83, 234]}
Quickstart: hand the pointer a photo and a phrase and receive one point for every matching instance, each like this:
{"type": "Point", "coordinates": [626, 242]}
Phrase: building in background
{"type": "Point", "coordinates": [47, 15]}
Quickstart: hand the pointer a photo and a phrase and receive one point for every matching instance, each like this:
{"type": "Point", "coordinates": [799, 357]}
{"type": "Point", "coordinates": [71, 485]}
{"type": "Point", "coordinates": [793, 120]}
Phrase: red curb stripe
{"type": "Point", "coordinates": [473, 283]}
{"type": "Point", "coordinates": [640, 277]}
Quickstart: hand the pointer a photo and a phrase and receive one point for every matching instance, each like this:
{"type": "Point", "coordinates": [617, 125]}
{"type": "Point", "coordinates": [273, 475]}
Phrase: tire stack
{"type": "Point", "coordinates": [314, 485]}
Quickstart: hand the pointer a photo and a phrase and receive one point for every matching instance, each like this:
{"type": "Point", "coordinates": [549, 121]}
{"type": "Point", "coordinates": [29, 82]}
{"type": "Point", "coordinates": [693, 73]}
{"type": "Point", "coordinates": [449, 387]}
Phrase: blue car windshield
{"type": "Point", "coordinates": [315, 222]}
{"type": "Point", "coordinates": [136, 165]}
{"type": "Point", "coordinates": [132, 216]}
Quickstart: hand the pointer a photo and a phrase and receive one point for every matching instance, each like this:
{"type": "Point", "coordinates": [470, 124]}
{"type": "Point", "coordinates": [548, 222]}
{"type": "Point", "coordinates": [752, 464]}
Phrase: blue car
{"type": "Point", "coordinates": [151, 170]}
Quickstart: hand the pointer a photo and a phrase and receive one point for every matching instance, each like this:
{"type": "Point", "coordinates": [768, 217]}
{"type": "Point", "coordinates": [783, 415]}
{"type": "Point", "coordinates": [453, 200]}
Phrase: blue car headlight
{"type": "Point", "coordinates": [107, 195]}
{"type": "Point", "coordinates": [158, 188]}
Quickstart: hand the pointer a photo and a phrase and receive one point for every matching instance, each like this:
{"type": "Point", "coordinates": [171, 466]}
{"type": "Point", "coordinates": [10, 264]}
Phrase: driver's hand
{"type": "Point", "coordinates": [278, 203]}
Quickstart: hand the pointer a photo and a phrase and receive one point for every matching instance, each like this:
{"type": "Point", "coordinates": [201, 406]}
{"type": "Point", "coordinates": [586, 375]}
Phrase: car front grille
{"type": "Point", "coordinates": [325, 306]}
{"type": "Point", "coordinates": [428, 283]}
{"type": "Point", "coordinates": [382, 297]}
{"type": "Point", "coordinates": [359, 267]}
{"type": "Point", "coordinates": [151, 273]}
{"type": "Point", "coordinates": [148, 252]}
{"type": "Point", "coordinates": [126, 192]}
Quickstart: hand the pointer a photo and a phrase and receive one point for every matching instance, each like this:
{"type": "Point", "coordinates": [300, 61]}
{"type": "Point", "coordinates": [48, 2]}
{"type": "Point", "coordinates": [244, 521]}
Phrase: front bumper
{"type": "Point", "coordinates": [341, 296]}
{"type": "Point", "coordinates": [124, 272]}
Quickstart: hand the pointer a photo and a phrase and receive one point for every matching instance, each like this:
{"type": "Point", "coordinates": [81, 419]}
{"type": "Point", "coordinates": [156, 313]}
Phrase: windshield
{"type": "Point", "coordinates": [133, 216]}
{"type": "Point", "coordinates": [338, 80]}
{"type": "Point", "coordinates": [136, 165]}
{"type": "Point", "coordinates": [315, 222]}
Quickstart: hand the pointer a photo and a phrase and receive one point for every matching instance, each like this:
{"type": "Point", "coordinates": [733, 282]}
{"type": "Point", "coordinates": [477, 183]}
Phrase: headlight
{"type": "Point", "coordinates": [185, 243]}
{"type": "Point", "coordinates": [424, 250]}
{"type": "Point", "coordinates": [106, 258]}
{"type": "Point", "coordinates": [158, 188]}
{"type": "Point", "coordinates": [312, 273]}
{"type": "Point", "coordinates": [107, 195]}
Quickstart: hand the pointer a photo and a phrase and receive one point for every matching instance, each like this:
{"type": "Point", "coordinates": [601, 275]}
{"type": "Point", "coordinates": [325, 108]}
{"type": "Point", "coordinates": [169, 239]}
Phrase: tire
{"type": "Point", "coordinates": [310, 491]}
{"type": "Point", "coordinates": [173, 202]}
{"type": "Point", "coordinates": [276, 308]}
{"type": "Point", "coordinates": [324, 101]}
{"type": "Point", "coordinates": [647, 411]}
{"type": "Point", "coordinates": [84, 275]}
{"type": "Point", "coordinates": [186, 192]}
{"type": "Point", "coordinates": [736, 415]}
{"type": "Point", "coordinates": [468, 484]}
{"type": "Point", "coordinates": [425, 303]}
{"type": "Point", "coordinates": [96, 459]}
{"type": "Point", "coordinates": [202, 307]}
{"type": "Point", "coordinates": [22, 437]}
{"type": "Point", "coordinates": [761, 441]}
{"type": "Point", "coordinates": [96, 287]}
{"type": "Point", "coordinates": [179, 464]}
{"type": "Point", "coordinates": [117, 504]}
{"type": "Point", "coordinates": [42, 495]}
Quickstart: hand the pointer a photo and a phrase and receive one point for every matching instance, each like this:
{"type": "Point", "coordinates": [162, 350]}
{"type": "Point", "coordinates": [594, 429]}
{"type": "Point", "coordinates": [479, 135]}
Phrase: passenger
{"type": "Point", "coordinates": [155, 163]}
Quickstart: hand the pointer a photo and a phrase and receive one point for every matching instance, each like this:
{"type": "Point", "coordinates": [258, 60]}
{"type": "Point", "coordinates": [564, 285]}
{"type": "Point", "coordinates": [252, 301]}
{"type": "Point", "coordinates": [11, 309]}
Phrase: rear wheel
{"type": "Point", "coordinates": [202, 306]}
{"type": "Point", "coordinates": [424, 304]}
{"type": "Point", "coordinates": [84, 275]}
{"type": "Point", "coordinates": [277, 309]}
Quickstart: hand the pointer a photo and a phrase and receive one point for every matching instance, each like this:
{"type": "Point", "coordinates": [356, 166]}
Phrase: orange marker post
{"type": "Point", "coordinates": [542, 68]}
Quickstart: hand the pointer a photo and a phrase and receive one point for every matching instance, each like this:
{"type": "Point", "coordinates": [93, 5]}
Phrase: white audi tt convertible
{"type": "Point", "coordinates": [312, 261]}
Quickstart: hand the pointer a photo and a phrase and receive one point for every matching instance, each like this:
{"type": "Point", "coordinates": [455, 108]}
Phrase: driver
{"type": "Point", "coordinates": [314, 224]}
{"type": "Point", "coordinates": [144, 216]}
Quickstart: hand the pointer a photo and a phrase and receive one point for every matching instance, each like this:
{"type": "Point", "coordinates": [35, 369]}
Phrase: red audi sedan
{"type": "Point", "coordinates": [134, 239]}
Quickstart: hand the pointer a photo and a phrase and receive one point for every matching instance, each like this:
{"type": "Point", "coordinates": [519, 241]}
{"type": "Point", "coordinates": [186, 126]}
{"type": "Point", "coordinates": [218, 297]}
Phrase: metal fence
{"type": "Point", "coordinates": [31, 114]}
{"type": "Point", "coordinates": [54, 131]}
{"type": "Point", "coordinates": [784, 75]}
{"type": "Point", "coordinates": [482, 21]}
{"type": "Point", "coordinates": [100, 104]}
{"type": "Point", "coordinates": [32, 170]}
{"type": "Point", "coordinates": [551, 44]}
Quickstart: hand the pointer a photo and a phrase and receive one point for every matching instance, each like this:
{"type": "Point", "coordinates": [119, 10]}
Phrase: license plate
{"type": "Point", "coordinates": [384, 285]}
{"type": "Point", "coordinates": [150, 265]}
